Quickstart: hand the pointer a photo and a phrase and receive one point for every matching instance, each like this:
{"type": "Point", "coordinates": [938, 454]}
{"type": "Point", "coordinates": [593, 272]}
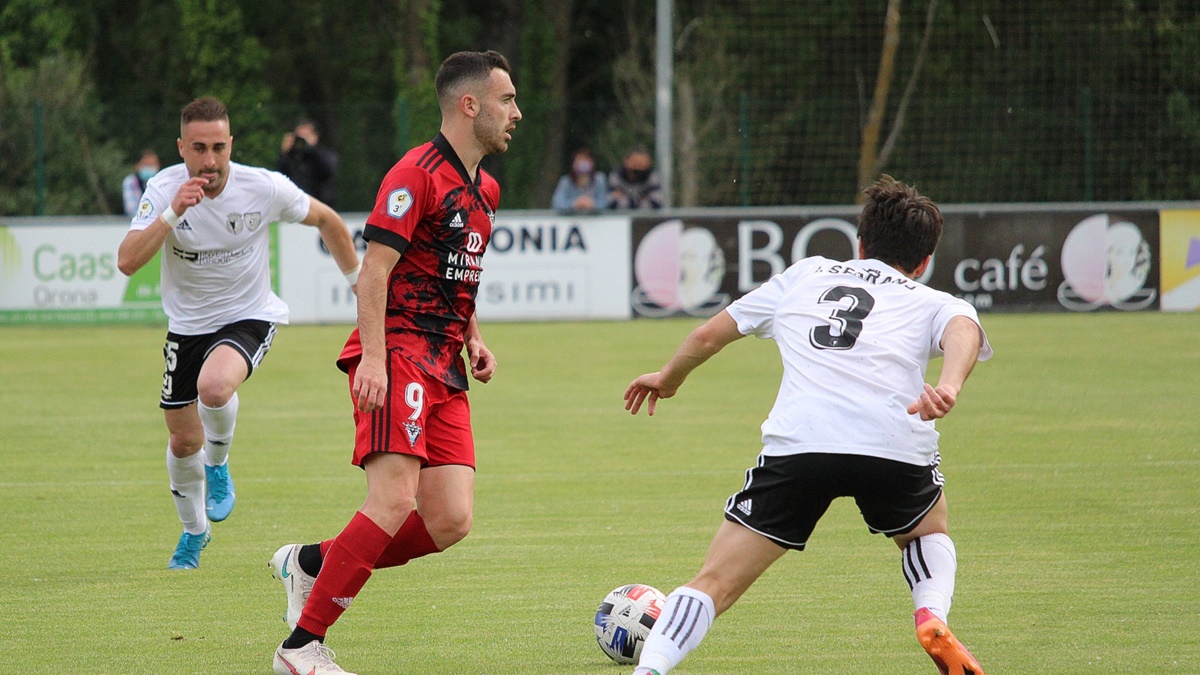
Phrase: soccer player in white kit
{"type": "Point", "coordinates": [853, 417]}
{"type": "Point", "coordinates": [210, 218]}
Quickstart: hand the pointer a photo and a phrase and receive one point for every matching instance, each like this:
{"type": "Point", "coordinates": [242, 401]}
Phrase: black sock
{"type": "Point", "coordinates": [301, 637]}
{"type": "Point", "coordinates": [310, 559]}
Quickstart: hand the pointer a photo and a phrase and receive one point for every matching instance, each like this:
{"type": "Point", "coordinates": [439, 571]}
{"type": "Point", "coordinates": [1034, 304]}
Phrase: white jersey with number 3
{"type": "Point", "coordinates": [856, 338]}
{"type": "Point", "coordinates": [216, 261]}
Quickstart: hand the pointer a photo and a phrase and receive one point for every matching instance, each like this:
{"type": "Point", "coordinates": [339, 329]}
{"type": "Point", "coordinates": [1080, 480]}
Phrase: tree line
{"type": "Point", "coordinates": [776, 102]}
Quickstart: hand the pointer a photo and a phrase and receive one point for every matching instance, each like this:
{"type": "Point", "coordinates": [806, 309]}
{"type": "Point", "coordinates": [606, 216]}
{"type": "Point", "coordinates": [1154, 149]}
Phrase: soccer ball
{"type": "Point", "coordinates": [625, 618]}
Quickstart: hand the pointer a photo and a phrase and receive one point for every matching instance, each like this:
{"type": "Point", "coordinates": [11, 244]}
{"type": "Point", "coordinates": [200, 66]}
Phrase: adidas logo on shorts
{"type": "Point", "coordinates": [744, 506]}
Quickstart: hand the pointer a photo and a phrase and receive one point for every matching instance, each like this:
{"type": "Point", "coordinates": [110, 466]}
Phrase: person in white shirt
{"type": "Point", "coordinates": [210, 218]}
{"type": "Point", "coordinates": [853, 418]}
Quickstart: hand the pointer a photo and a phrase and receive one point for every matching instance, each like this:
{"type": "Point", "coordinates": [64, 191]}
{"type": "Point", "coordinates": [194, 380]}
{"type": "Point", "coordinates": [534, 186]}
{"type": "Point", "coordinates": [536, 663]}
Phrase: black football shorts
{"type": "Point", "coordinates": [785, 496]}
{"type": "Point", "coordinates": [184, 355]}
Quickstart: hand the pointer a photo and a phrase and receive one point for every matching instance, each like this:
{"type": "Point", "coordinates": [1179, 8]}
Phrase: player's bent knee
{"type": "Point", "coordinates": [388, 509]}
{"type": "Point", "coordinates": [214, 394]}
{"type": "Point", "coordinates": [185, 446]}
{"type": "Point", "coordinates": [447, 531]}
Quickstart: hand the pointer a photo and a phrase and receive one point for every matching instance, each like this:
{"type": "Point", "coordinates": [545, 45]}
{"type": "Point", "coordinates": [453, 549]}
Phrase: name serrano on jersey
{"type": "Point", "coordinates": [869, 276]}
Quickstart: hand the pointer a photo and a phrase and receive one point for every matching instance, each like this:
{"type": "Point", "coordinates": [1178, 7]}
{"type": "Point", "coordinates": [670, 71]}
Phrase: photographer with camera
{"type": "Point", "coordinates": [310, 165]}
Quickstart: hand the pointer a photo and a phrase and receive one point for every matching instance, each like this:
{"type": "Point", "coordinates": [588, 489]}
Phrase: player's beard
{"type": "Point", "coordinates": [489, 132]}
{"type": "Point", "coordinates": [216, 182]}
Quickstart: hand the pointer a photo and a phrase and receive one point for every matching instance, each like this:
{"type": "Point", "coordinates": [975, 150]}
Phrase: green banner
{"type": "Point", "coordinates": [83, 316]}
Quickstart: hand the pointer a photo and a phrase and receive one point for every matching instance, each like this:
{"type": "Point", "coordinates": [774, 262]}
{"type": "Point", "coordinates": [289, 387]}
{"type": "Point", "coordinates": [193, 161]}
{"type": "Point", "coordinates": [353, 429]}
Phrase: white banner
{"type": "Point", "coordinates": [556, 267]}
{"type": "Point", "coordinates": [68, 273]}
{"type": "Point", "coordinates": [309, 279]}
{"type": "Point", "coordinates": [535, 268]}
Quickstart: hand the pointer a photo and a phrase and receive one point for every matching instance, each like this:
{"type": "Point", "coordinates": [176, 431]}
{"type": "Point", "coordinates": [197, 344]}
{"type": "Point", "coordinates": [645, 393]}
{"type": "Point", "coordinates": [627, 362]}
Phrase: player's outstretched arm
{"type": "Point", "coordinates": [697, 348]}
{"type": "Point", "coordinates": [336, 236]}
{"type": "Point", "coordinates": [961, 343]}
{"type": "Point", "coordinates": [479, 357]}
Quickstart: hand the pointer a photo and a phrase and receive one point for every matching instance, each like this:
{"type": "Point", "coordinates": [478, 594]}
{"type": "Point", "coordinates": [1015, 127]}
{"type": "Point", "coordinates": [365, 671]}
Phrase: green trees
{"type": "Point", "coordinates": [1033, 101]}
{"type": "Point", "coordinates": [57, 157]}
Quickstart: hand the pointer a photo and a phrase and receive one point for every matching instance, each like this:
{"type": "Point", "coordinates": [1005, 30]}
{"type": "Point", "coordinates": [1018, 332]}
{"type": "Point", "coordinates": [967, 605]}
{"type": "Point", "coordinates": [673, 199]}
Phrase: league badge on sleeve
{"type": "Point", "coordinates": [399, 202]}
{"type": "Point", "coordinates": [145, 208]}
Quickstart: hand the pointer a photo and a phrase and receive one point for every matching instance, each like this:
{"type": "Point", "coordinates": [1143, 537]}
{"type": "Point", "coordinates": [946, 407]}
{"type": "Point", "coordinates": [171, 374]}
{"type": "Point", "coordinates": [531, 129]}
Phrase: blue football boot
{"type": "Point", "coordinates": [187, 552]}
{"type": "Point", "coordinates": [220, 496]}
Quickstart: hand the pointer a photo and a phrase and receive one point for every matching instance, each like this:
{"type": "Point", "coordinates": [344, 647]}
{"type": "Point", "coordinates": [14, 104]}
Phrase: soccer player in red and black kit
{"type": "Point", "coordinates": [432, 221]}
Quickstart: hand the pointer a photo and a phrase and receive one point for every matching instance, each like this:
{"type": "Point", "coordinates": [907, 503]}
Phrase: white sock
{"type": "Point", "coordinates": [929, 564]}
{"type": "Point", "coordinates": [685, 619]}
{"type": "Point", "coordinates": [218, 430]}
{"type": "Point", "coordinates": [187, 487]}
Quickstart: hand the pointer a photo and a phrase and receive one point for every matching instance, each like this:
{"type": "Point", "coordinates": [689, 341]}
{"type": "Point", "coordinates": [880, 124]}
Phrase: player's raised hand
{"type": "Point", "coordinates": [189, 194]}
{"type": "Point", "coordinates": [934, 403]}
{"type": "Point", "coordinates": [647, 389]}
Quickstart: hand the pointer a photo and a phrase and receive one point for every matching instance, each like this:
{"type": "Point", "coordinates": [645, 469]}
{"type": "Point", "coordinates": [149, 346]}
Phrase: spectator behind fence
{"type": "Point", "coordinates": [582, 187]}
{"type": "Point", "coordinates": [135, 183]}
{"type": "Point", "coordinates": [310, 165]}
{"type": "Point", "coordinates": [635, 184]}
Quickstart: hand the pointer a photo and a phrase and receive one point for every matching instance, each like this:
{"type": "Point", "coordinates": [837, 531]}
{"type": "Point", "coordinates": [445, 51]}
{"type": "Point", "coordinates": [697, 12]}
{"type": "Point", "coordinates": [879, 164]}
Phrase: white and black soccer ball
{"type": "Point", "coordinates": [625, 618]}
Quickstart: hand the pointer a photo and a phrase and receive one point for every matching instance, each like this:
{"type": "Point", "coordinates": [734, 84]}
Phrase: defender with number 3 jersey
{"type": "Point", "coordinates": [855, 338]}
{"type": "Point", "coordinates": [430, 210]}
{"type": "Point", "coordinates": [853, 418]}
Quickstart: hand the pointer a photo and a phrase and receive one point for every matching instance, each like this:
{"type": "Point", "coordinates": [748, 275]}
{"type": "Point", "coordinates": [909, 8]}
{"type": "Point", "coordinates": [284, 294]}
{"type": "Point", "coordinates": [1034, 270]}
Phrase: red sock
{"type": "Point", "coordinates": [411, 541]}
{"type": "Point", "coordinates": [346, 568]}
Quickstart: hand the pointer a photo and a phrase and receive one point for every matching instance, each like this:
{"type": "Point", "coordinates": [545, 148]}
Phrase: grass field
{"type": "Point", "coordinates": [1073, 467]}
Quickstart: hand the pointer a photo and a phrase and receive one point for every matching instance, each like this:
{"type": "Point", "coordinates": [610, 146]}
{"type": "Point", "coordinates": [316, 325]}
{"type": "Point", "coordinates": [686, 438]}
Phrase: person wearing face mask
{"type": "Point", "coordinates": [635, 184]}
{"type": "Point", "coordinates": [135, 183]}
{"type": "Point", "coordinates": [582, 188]}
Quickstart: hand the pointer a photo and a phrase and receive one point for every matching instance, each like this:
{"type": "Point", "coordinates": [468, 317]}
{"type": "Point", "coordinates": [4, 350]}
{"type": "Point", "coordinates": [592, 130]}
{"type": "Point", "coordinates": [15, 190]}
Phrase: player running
{"type": "Point", "coordinates": [432, 222]}
{"type": "Point", "coordinates": [853, 417]}
{"type": "Point", "coordinates": [210, 218]}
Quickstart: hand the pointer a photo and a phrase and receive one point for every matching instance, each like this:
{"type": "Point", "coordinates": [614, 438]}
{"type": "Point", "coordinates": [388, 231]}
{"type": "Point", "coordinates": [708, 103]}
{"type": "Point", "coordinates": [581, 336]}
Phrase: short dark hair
{"type": "Point", "coordinates": [462, 67]}
{"type": "Point", "coordinates": [203, 109]}
{"type": "Point", "coordinates": [898, 225]}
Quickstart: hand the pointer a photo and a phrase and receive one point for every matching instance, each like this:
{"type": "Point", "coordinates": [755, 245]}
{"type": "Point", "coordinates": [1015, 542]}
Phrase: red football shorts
{"type": "Point", "coordinates": [421, 416]}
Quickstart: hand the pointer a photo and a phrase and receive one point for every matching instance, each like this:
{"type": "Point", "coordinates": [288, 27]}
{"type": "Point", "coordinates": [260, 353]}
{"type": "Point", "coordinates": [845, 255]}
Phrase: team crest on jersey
{"type": "Point", "coordinates": [253, 220]}
{"type": "Point", "coordinates": [399, 202]}
{"type": "Point", "coordinates": [414, 432]}
{"type": "Point", "coordinates": [235, 222]}
{"type": "Point", "coordinates": [145, 208]}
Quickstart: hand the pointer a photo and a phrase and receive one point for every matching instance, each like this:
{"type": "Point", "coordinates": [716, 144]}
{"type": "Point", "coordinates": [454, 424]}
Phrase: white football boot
{"type": "Point", "coordinates": [285, 566]}
{"type": "Point", "coordinates": [313, 658]}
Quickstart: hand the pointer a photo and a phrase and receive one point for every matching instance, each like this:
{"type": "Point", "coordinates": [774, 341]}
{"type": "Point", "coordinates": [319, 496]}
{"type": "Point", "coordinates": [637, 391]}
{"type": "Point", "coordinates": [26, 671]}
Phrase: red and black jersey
{"type": "Point", "coordinates": [440, 221]}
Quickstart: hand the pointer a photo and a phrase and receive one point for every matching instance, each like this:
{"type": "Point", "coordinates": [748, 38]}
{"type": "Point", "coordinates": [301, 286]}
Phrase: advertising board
{"type": "Point", "coordinates": [1022, 260]}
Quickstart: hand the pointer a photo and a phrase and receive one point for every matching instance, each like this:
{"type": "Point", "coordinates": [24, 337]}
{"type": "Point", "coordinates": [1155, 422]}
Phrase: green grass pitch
{"type": "Point", "coordinates": [1073, 467]}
